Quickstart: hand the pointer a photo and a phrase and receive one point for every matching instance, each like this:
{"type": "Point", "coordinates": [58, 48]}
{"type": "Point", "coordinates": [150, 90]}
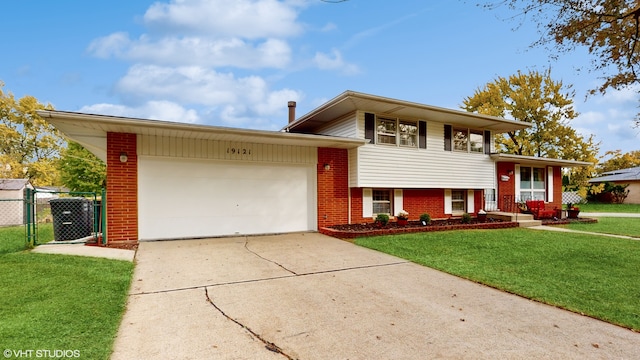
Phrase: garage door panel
{"type": "Point", "coordinates": [198, 198]}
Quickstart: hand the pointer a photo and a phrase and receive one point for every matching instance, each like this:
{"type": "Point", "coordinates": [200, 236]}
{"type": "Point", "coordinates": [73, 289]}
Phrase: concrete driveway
{"type": "Point", "coordinates": [308, 296]}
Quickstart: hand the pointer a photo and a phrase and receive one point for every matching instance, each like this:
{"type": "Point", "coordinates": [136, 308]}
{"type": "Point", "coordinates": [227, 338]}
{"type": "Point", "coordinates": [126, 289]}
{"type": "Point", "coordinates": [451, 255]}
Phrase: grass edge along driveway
{"type": "Point", "coordinates": [59, 302]}
{"type": "Point", "coordinates": [588, 274]}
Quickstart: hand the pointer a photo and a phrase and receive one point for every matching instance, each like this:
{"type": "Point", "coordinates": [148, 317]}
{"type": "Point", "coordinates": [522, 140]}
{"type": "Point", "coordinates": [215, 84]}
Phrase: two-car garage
{"type": "Point", "coordinates": [189, 198]}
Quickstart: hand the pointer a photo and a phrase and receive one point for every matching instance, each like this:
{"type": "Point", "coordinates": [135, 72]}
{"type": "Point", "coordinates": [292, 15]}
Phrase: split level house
{"type": "Point", "coordinates": [346, 161]}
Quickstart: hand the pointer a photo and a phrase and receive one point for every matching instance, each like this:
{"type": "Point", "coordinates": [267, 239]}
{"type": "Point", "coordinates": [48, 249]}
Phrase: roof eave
{"type": "Point", "coordinates": [499, 157]}
{"type": "Point", "coordinates": [90, 130]}
{"type": "Point", "coordinates": [350, 101]}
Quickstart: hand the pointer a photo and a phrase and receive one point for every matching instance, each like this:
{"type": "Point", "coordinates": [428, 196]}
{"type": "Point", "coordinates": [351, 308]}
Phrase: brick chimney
{"type": "Point", "coordinates": [292, 111]}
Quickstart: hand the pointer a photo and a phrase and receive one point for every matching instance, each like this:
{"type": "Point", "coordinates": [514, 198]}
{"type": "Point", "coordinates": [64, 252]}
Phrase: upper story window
{"type": "Point", "coordinates": [386, 131]}
{"type": "Point", "coordinates": [465, 140]}
{"type": "Point", "coordinates": [460, 139]}
{"type": "Point", "coordinates": [397, 132]}
{"type": "Point", "coordinates": [393, 131]}
{"type": "Point", "coordinates": [408, 134]}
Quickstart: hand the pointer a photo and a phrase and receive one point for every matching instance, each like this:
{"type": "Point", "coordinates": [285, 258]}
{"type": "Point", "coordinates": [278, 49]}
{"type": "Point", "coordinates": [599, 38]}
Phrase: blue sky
{"type": "Point", "coordinates": [237, 63]}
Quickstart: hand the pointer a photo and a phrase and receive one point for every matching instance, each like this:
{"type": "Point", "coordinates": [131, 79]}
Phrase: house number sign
{"type": "Point", "coordinates": [238, 150]}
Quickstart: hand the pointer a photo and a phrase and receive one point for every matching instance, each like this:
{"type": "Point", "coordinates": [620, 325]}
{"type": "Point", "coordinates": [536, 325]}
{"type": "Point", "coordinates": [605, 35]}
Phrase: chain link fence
{"type": "Point", "coordinates": [63, 216]}
{"type": "Point", "coordinates": [12, 212]}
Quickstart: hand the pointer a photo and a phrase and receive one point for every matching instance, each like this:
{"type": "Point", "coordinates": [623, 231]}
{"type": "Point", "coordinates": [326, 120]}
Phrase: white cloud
{"type": "Point", "coordinates": [236, 101]}
{"type": "Point", "coordinates": [334, 61]}
{"type": "Point", "coordinates": [629, 94]}
{"type": "Point", "coordinates": [271, 53]}
{"type": "Point", "coordinates": [249, 19]}
{"type": "Point", "coordinates": [108, 46]}
{"type": "Point", "coordinates": [158, 110]}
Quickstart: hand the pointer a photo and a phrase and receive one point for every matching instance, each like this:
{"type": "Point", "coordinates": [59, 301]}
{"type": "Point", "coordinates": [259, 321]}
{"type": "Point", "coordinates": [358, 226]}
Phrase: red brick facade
{"type": "Point", "coordinates": [420, 201]}
{"type": "Point", "coordinates": [506, 189]}
{"type": "Point", "coordinates": [122, 188]}
{"type": "Point", "coordinates": [333, 186]}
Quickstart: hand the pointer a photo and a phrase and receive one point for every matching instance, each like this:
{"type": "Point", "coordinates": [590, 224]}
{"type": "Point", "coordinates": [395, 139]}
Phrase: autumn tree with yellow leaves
{"type": "Point", "coordinates": [29, 146]}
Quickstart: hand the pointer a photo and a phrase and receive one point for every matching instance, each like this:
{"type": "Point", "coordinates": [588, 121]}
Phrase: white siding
{"type": "Point", "coordinates": [344, 127]}
{"type": "Point", "coordinates": [225, 150]}
{"type": "Point", "coordinates": [433, 167]}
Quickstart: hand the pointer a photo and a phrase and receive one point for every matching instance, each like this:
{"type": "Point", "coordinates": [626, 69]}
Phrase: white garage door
{"type": "Point", "coordinates": [180, 198]}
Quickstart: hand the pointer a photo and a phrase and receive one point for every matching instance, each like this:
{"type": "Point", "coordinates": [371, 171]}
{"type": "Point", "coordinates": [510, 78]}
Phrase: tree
{"type": "Point", "coordinates": [609, 29]}
{"type": "Point", "coordinates": [29, 146]}
{"type": "Point", "coordinates": [617, 160]}
{"type": "Point", "coordinates": [536, 99]}
{"type": "Point", "coordinates": [80, 170]}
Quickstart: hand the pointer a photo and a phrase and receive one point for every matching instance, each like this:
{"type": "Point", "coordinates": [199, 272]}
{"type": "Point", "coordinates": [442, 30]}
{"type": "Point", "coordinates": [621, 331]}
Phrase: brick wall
{"type": "Point", "coordinates": [122, 188]}
{"type": "Point", "coordinates": [506, 188]}
{"type": "Point", "coordinates": [557, 188]}
{"type": "Point", "coordinates": [478, 200]}
{"type": "Point", "coordinates": [333, 187]}
{"type": "Point", "coordinates": [356, 207]}
{"type": "Point", "coordinates": [420, 201]}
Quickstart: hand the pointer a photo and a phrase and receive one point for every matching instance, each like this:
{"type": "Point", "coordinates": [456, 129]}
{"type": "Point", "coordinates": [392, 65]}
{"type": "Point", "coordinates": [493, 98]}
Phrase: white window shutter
{"type": "Point", "coordinates": [516, 174]}
{"type": "Point", "coordinates": [470, 199]}
{"type": "Point", "coordinates": [367, 203]}
{"type": "Point", "coordinates": [448, 207]}
{"type": "Point", "coordinates": [398, 204]}
{"type": "Point", "coordinates": [550, 184]}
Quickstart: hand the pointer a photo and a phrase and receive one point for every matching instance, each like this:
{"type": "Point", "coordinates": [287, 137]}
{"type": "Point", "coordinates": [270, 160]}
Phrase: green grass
{"type": "Point", "coordinates": [610, 208]}
{"type": "Point", "coordinates": [610, 225]}
{"type": "Point", "coordinates": [589, 274]}
{"type": "Point", "coordinates": [59, 302]}
{"type": "Point", "coordinates": [12, 239]}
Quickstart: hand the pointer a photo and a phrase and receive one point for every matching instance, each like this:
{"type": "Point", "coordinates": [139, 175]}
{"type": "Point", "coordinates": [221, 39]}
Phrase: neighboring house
{"type": "Point", "coordinates": [353, 157]}
{"type": "Point", "coordinates": [11, 201]}
{"type": "Point", "coordinates": [630, 176]}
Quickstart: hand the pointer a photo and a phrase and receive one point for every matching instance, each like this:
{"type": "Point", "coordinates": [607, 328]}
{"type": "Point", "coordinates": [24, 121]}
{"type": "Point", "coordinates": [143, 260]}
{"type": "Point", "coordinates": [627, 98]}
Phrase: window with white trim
{"type": "Point", "coordinates": [386, 131]}
{"type": "Point", "coordinates": [532, 183]}
{"type": "Point", "coordinates": [382, 203]}
{"type": "Point", "coordinates": [408, 134]}
{"type": "Point", "coordinates": [458, 201]}
{"type": "Point", "coordinates": [476, 141]}
{"type": "Point", "coordinates": [467, 140]}
{"type": "Point", "coordinates": [460, 139]}
{"type": "Point", "coordinates": [397, 132]}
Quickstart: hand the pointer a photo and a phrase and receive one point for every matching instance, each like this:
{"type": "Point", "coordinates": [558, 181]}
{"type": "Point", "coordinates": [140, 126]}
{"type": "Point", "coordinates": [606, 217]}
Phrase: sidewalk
{"type": "Point", "coordinates": [84, 250]}
{"type": "Point", "coordinates": [600, 214]}
{"type": "Point", "coordinates": [592, 215]}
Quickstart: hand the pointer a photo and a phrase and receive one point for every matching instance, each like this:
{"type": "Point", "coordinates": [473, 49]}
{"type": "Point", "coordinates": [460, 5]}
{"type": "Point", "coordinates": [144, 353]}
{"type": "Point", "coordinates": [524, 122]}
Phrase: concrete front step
{"type": "Point", "coordinates": [507, 216]}
{"type": "Point", "coordinates": [529, 223]}
{"type": "Point", "coordinates": [524, 220]}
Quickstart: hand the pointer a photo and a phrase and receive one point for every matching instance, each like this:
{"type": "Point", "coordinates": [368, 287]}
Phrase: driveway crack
{"type": "Point", "coordinates": [246, 246]}
{"type": "Point", "coordinates": [267, 344]}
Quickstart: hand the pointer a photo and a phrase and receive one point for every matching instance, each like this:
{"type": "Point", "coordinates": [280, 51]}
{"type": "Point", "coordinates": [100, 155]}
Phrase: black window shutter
{"type": "Point", "coordinates": [447, 137]}
{"type": "Point", "coordinates": [369, 127]}
{"type": "Point", "coordinates": [422, 134]}
{"type": "Point", "coordinates": [487, 142]}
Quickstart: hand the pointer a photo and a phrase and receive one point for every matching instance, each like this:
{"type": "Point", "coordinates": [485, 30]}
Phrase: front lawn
{"type": "Point", "coordinates": [59, 302]}
{"type": "Point", "coordinates": [589, 274]}
{"type": "Point", "coordinates": [609, 208]}
{"type": "Point", "coordinates": [610, 225]}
